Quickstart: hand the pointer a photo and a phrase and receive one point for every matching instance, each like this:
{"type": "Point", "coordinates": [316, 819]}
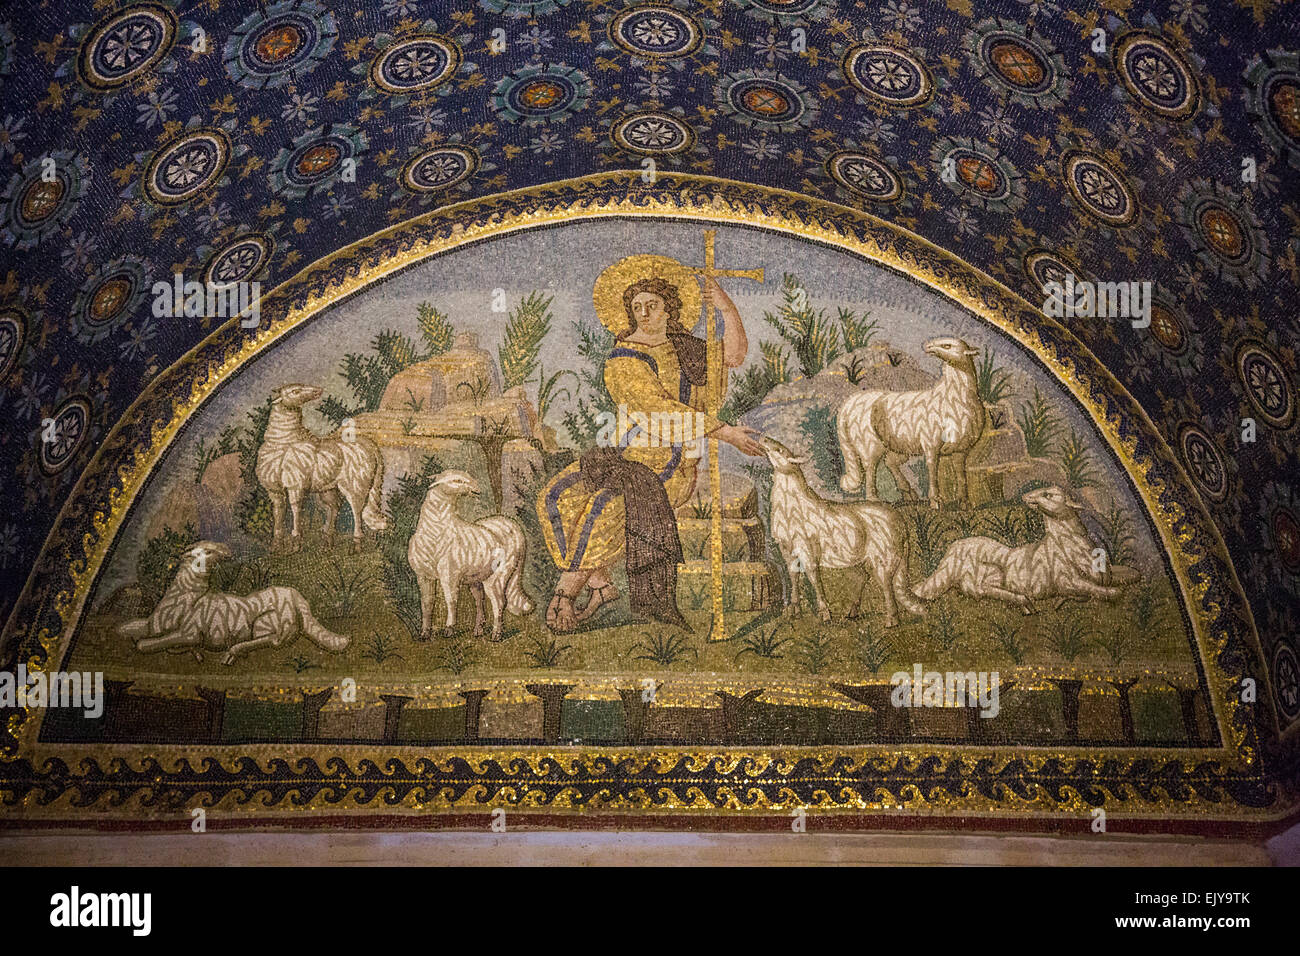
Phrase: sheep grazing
{"type": "Point", "coordinates": [1060, 564]}
{"type": "Point", "coordinates": [487, 554]}
{"type": "Point", "coordinates": [945, 419]}
{"type": "Point", "coordinates": [814, 533]}
{"type": "Point", "coordinates": [292, 461]}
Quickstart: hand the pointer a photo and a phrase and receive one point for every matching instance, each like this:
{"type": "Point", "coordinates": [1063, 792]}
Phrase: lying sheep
{"type": "Point", "coordinates": [1060, 564]}
{"type": "Point", "coordinates": [814, 533]}
{"type": "Point", "coordinates": [487, 554]}
{"type": "Point", "coordinates": [195, 616]}
{"type": "Point", "coordinates": [945, 419]}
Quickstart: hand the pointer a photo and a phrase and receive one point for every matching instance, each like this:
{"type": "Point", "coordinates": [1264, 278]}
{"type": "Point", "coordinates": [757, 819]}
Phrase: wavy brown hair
{"type": "Point", "coordinates": [666, 291]}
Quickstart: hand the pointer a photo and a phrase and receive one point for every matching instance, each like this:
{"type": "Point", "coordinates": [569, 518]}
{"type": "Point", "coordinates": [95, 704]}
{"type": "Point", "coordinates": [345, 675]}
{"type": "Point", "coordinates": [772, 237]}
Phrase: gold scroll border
{"type": "Point", "coordinates": [564, 202]}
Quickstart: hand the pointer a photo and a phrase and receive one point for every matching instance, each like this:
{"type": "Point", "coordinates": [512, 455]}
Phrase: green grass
{"type": "Point", "coordinates": [1071, 638]}
{"type": "Point", "coordinates": [1076, 459]}
{"type": "Point", "coordinates": [664, 649]}
{"type": "Point", "coordinates": [992, 382]}
{"type": "Point", "coordinates": [543, 652]}
{"type": "Point", "coordinates": [1007, 636]}
{"type": "Point", "coordinates": [814, 651]}
{"type": "Point", "coordinates": [812, 336]}
{"type": "Point", "coordinates": [381, 648]}
{"type": "Point", "coordinates": [956, 633]}
{"type": "Point", "coordinates": [765, 643]}
{"type": "Point", "coordinates": [872, 648]}
{"type": "Point", "coordinates": [1040, 424]}
{"type": "Point", "coordinates": [1117, 536]}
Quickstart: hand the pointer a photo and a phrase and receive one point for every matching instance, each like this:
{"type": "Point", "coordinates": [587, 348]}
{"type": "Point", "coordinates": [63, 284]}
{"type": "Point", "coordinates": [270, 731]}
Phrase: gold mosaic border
{"type": "Point", "coordinates": [701, 199]}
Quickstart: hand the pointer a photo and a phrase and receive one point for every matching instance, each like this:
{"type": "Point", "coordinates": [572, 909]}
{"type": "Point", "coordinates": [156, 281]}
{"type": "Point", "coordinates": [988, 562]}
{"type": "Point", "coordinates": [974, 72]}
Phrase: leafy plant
{"type": "Point", "coordinates": [991, 381]}
{"type": "Point", "coordinates": [549, 390]}
{"type": "Point", "coordinates": [664, 649]}
{"type": "Point", "coordinates": [413, 403]}
{"type": "Point", "coordinates": [813, 651]}
{"type": "Point", "coordinates": [776, 362]}
{"type": "Point", "coordinates": [526, 328]}
{"type": "Point", "coordinates": [301, 663]}
{"type": "Point", "coordinates": [818, 424]}
{"type": "Point", "coordinates": [857, 332]}
{"type": "Point", "coordinates": [396, 350]}
{"type": "Point", "coordinates": [764, 643]}
{"type": "Point", "coordinates": [1080, 468]}
{"type": "Point", "coordinates": [695, 595]}
{"type": "Point", "coordinates": [581, 422]}
{"type": "Point", "coordinates": [478, 390]}
{"type": "Point", "coordinates": [854, 369]}
{"type": "Point", "coordinates": [544, 653]}
{"type": "Point", "coordinates": [238, 577]}
{"type": "Point", "coordinates": [159, 560]}
{"type": "Point", "coordinates": [965, 522]}
{"type": "Point", "coordinates": [253, 513]}
{"type": "Point", "coordinates": [204, 455]}
{"type": "Point", "coordinates": [701, 508]}
{"type": "Point", "coordinates": [926, 525]}
{"type": "Point", "coordinates": [942, 626]}
{"type": "Point", "coordinates": [735, 553]}
{"type": "Point", "coordinates": [1007, 637]}
{"type": "Point", "coordinates": [1040, 425]}
{"type": "Point", "coordinates": [1070, 637]}
{"type": "Point", "coordinates": [1011, 527]}
{"type": "Point", "coordinates": [748, 389]}
{"type": "Point", "coordinates": [1117, 535]}
{"type": "Point", "coordinates": [872, 649]}
{"type": "Point", "coordinates": [435, 329]}
{"type": "Point", "coordinates": [367, 375]}
{"type": "Point", "coordinates": [1116, 642]}
{"type": "Point", "coordinates": [457, 656]}
{"type": "Point", "coordinates": [1148, 608]}
{"type": "Point", "coordinates": [380, 648]}
{"type": "Point", "coordinates": [809, 332]}
{"type": "Point", "coordinates": [347, 587]}
{"type": "Point", "coordinates": [594, 344]}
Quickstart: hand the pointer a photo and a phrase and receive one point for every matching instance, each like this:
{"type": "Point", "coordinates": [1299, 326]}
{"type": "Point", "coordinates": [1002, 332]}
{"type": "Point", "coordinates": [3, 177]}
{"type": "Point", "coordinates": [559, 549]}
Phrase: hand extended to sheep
{"type": "Point", "coordinates": [738, 436]}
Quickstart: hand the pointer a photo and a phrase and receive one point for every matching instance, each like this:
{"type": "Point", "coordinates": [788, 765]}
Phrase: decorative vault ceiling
{"type": "Point", "coordinates": [1120, 141]}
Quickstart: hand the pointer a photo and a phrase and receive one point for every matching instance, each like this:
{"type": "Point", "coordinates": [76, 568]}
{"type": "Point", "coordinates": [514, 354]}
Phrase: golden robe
{"type": "Point", "coordinates": [584, 528]}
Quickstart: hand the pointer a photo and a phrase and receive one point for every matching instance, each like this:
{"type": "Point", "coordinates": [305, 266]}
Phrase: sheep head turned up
{"type": "Point", "coordinates": [783, 459]}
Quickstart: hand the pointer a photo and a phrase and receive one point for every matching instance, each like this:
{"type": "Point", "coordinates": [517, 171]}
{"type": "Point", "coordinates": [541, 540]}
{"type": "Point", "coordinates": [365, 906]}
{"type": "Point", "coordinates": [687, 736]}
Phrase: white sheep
{"type": "Point", "coordinates": [293, 461]}
{"type": "Point", "coordinates": [1060, 564]}
{"type": "Point", "coordinates": [945, 419]}
{"type": "Point", "coordinates": [196, 616]}
{"type": "Point", "coordinates": [813, 533]}
{"type": "Point", "coordinates": [487, 554]}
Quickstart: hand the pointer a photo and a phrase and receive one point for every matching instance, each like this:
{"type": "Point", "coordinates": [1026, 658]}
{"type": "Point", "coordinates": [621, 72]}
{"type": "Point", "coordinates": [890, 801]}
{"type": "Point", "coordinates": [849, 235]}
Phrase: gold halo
{"type": "Point", "coordinates": [610, 286]}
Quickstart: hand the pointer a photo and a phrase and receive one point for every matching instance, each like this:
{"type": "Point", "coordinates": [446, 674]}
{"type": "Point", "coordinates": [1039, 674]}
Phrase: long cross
{"type": "Point", "coordinates": [714, 390]}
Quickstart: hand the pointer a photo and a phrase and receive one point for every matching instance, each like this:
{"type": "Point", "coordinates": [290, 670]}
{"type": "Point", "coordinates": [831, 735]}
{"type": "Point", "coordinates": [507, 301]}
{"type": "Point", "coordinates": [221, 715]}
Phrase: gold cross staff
{"type": "Point", "coordinates": [714, 391]}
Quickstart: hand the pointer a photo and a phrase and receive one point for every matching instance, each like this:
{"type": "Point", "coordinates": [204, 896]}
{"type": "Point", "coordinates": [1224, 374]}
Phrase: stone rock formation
{"type": "Point", "coordinates": [449, 405]}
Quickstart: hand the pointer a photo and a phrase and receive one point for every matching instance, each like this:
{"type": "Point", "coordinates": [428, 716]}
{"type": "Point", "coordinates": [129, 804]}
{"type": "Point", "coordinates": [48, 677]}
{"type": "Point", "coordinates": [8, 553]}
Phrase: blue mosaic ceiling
{"type": "Point", "coordinates": [213, 139]}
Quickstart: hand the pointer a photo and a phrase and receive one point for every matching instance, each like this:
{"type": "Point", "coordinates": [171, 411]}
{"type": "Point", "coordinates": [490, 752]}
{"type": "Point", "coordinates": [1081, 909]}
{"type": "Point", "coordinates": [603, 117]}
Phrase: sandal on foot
{"type": "Point", "coordinates": [558, 602]}
{"type": "Point", "coordinates": [598, 600]}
